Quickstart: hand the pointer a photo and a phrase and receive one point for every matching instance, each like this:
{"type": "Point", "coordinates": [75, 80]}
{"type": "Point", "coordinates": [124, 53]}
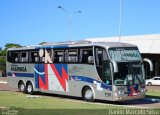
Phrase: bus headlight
{"type": "Point", "coordinates": [143, 90]}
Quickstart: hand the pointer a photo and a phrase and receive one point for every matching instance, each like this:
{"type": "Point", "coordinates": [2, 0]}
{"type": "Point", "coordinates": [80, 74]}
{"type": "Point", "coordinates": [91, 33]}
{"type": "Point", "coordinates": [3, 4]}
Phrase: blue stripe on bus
{"type": "Point", "coordinates": [20, 74]}
{"type": "Point", "coordinates": [49, 47]}
{"type": "Point", "coordinates": [91, 80]}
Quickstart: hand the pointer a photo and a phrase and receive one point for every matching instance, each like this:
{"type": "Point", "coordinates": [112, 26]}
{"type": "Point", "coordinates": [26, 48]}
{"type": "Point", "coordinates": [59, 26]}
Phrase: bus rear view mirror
{"type": "Point", "coordinates": [115, 67]}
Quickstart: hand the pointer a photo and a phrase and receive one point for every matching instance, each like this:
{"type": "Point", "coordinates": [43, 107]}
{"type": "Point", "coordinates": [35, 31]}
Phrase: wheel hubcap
{"type": "Point", "coordinates": [29, 89]}
{"type": "Point", "coordinates": [89, 94]}
{"type": "Point", "coordinates": [22, 87]}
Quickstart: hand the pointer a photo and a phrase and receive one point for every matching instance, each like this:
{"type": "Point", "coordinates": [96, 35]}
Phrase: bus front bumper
{"type": "Point", "coordinates": [128, 96]}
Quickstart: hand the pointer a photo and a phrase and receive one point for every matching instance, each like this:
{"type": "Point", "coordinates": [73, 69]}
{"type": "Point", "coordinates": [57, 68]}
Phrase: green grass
{"type": "Point", "coordinates": [153, 94]}
{"type": "Point", "coordinates": [20, 100]}
{"type": "Point", "coordinates": [46, 105]}
{"type": "Point", "coordinates": [50, 104]}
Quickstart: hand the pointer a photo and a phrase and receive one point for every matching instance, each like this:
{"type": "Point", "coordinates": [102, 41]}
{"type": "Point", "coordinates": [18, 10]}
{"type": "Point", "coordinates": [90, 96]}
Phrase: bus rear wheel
{"type": "Point", "coordinates": [22, 87]}
{"type": "Point", "coordinates": [88, 94]}
{"type": "Point", "coordinates": [29, 88]}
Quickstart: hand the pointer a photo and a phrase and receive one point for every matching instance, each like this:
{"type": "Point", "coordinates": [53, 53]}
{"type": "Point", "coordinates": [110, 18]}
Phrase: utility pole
{"type": "Point", "coordinates": [120, 20]}
{"type": "Point", "coordinates": [69, 17]}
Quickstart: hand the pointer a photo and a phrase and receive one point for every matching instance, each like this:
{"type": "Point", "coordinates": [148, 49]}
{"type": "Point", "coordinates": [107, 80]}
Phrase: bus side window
{"type": "Point", "coordinates": [101, 55]}
{"type": "Point", "coordinates": [42, 59]}
{"type": "Point", "coordinates": [87, 56]}
{"type": "Point", "coordinates": [72, 56]}
{"type": "Point", "coordinates": [84, 56]}
{"type": "Point", "coordinates": [90, 59]}
{"type": "Point", "coordinates": [58, 56]}
{"type": "Point", "coordinates": [24, 56]}
{"type": "Point", "coordinates": [10, 56]}
{"type": "Point", "coordinates": [49, 56]}
{"type": "Point", "coordinates": [34, 57]}
{"type": "Point", "coordinates": [16, 56]}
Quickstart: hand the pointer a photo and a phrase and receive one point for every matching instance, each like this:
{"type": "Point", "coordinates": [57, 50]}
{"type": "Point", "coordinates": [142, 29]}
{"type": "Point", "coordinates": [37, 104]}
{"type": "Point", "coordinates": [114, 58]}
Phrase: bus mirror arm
{"type": "Point", "coordinates": [115, 67]}
{"type": "Point", "coordinates": [150, 63]}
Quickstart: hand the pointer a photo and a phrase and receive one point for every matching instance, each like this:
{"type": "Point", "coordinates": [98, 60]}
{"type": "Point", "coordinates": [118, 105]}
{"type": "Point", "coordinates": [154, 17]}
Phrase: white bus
{"type": "Point", "coordinates": [91, 70]}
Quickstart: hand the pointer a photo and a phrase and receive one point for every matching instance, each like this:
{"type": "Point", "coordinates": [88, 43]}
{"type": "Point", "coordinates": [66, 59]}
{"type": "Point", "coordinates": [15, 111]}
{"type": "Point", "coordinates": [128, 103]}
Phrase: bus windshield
{"type": "Point", "coordinates": [124, 54]}
{"type": "Point", "coordinates": [129, 73]}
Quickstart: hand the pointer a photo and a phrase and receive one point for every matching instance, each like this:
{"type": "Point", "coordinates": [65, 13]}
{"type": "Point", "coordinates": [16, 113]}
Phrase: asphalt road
{"type": "Point", "coordinates": [141, 103]}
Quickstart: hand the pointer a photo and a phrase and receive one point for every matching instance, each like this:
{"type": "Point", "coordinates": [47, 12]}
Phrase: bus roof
{"type": "Point", "coordinates": [71, 44]}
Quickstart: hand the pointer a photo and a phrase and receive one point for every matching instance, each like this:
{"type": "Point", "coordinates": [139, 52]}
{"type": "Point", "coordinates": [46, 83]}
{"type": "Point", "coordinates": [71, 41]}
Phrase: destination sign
{"type": "Point", "coordinates": [124, 54]}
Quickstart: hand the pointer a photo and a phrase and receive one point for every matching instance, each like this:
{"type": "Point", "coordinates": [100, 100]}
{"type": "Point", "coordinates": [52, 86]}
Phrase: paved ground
{"type": "Point", "coordinates": [142, 103]}
{"type": "Point", "coordinates": [3, 79]}
{"type": "Point", "coordinates": [153, 88]}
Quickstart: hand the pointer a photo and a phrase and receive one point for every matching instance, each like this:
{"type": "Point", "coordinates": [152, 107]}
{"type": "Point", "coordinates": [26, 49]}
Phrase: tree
{"type": "Point", "coordinates": [3, 55]}
{"type": "Point", "coordinates": [42, 43]}
{"type": "Point", "coordinates": [8, 45]}
{"type": "Point", "coordinates": [11, 45]}
{"type": "Point", "coordinates": [2, 63]}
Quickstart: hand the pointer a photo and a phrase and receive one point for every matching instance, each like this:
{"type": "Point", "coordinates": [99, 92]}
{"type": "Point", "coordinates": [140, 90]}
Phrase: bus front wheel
{"type": "Point", "coordinates": [88, 94]}
{"type": "Point", "coordinates": [29, 88]}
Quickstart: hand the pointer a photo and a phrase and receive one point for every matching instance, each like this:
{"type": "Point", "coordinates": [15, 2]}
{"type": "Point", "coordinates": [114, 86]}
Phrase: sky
{"type": "Point", "coordinates": [30, 22]}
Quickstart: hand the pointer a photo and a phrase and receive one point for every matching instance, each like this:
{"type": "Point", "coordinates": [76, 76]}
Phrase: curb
{"type": "Point", "coordinates": [152, 100]}
{"type": "Point", "coordinates": [4, 82]}
{"type": "Point", "coordinates": [154, 90]}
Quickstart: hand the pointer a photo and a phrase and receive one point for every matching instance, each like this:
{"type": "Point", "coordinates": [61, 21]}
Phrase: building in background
{"type": "Point", "coordinates": [149, 46]}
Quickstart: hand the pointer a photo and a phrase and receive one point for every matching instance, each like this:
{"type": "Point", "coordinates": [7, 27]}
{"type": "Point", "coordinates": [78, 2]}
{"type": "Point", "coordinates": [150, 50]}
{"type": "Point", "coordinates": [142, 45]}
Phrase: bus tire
{"type": "Point", "coordinates": [22, 87]}
{"type": "Point", "coordinates": [29, 88]}
{"type": "Point", "coordinates": [87, 94]}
